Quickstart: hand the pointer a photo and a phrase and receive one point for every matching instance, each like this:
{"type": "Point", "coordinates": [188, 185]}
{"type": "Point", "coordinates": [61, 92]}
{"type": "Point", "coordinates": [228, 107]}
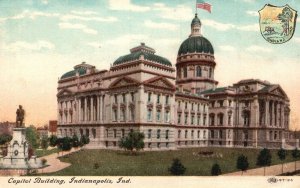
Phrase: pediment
{"type": "Point", "coordinates": [160, 82]}
{"type": "Point", "coordinates": [123, 82]}
{"type": "Point", "coordinates": [64, 92]}
{"type": "Point", "coordinates": [278, 91]}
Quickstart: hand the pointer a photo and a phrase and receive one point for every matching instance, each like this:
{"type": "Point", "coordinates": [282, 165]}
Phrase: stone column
{"type": "Point", "coordinates": [282, 115]}
{"type": "Point", "coordinates": [103, 109]}
{"type": "Point", "coordinates": [78, 109]}
{"type": "Point", "coordinates": [98, 108]}
{"type": "Point", "coordinates": [267, 122]}
{"type": "Point", "coordinates": [92, 108]}
{"type": "Point", "coordinates": [85, 109]}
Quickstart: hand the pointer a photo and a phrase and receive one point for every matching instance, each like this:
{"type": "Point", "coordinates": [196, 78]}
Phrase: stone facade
{"type": "Point", "coordinates": [142, 92]}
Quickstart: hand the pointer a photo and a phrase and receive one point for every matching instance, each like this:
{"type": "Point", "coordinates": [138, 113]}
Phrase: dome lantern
{"type": "Point", "coordinates": [195, 27]}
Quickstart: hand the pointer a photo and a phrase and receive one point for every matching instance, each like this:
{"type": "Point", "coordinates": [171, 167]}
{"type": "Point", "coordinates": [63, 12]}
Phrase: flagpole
{"type": "Point", "coordinates": [196, 6]}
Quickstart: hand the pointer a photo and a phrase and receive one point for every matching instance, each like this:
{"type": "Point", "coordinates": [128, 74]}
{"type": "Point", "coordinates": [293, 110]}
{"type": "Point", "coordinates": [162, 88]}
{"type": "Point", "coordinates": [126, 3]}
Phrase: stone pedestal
{"type": "Point", "coordinates": [17, 155]}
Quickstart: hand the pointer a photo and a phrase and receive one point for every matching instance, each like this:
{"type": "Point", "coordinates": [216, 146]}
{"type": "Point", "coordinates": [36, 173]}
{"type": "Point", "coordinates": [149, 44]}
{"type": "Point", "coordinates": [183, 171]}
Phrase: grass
{"type": "Point", "coordinates": [41, 152]}
{"type": "Point", "coordinates": [119, 163]}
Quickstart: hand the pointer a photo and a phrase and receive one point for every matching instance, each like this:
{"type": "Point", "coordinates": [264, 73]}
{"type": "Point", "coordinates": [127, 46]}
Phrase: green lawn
{"type": "Point", "coordinates": [118, 163]}
{"type": "Point", "coordinates": [40, 153]}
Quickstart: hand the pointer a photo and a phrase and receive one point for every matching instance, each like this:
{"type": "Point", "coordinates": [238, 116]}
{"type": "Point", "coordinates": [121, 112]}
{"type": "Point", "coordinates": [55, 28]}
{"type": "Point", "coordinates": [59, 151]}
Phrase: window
{"type": "Point", "coordinates": [198, 107]}
{"type": "Point", "coordinates": [122, 133]}
{"type": "Point", "coordinates": [198, 134]}
{"type": "Point", "coordinates": [123, 98]}
{"type": "Point", "coordinates": [179, 104]}
{"type": "Point", "coordinates": [149, 115]}
{"type": "Point", "coordinates": [167, 99]}
{"type": "Point", "coordinates": [229, 119]}
{"type": "Point", "coordinates": [123, 115]}
{"type": "Point", "coordinates": [149, 133]}
{"type": "Point", "coordinates": [229, 103]}
{"type": "Point", "coordinates": [210, 72]}
{"type": "Point", "coordinates": [185, 106]}
{"type": "Point", "coordinates": [220, 118]}
{"type": "Point", "coordinates": [198, 71]}
{"type": "Point", "coordinates": [94, 133]}
{"type": "Point", "coordinates": [149, 97]}
{"type": "Point", "coordinates": [213, 104]}
{"type": "Point", "coordinates": [192, 134]}
{"type": "Point", "coordinates": [132, 114]}
{"type": "Point", "coordinates": [158, 134]}
{"type": "Point", "coordinates": [220, 103]}
{"type": "Point", "coordinates": [179, 118]}
{"type": "Point", "coordinates": [179, 133]}
{"type": "Point", "coordinates": [221, 134]}
{"type": "Point", "coordinates": [198, 120]}
{"type": "Point", "coordinates": [115, 115]}
{"type": "Point", "coordinates": [158, 98]}
{"type": "Point", "coordinates": [204, 119]}
{"type": "Point", "coordinates": [192, 106]}
{"type": "Point", "coordinates": [132, 97]}
{"type": "Point", "coordinates": [186, 119]}
{"type": "Point", "coordinates": [116, 98]}
{"type": "Point", "coordinates": [158, 114]}
{"type": "Point", "coordinates": [167, 116]}
{"type": "Point", "coordinates": [106, 133]}
{"type": "Point", "coordinates": [211, 119]}
{"type": "Point", "coordinates": [204, 134]}
{"type": "Point", "coordinates": [167, 134]}
{"type": "Point", "coordinates": [229, 134]}
{"type": "Point", "coordinates": [185, 72]}
{"type": "Point", "coordinates": [212, 135]}
{"type": "Point", "coordinates": [186, 133]}
{"type": "Point", "coordinates": [192, 120]}
{"type": "Point", "coordinates": [115, 133]}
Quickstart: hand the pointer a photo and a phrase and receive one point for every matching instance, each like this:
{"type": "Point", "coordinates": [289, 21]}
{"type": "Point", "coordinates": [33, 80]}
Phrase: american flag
{"type": "Point", "coordinates": [203, 5]}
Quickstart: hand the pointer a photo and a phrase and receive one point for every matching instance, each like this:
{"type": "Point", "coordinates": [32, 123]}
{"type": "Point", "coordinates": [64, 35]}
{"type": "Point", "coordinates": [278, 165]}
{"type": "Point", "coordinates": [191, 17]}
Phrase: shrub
{"type": "Point", "coordinates": [215, 170]}
{"type": "Point", "coordinates": [44, 161]}
{"type": "Point", "coordinates": [177, 167]}
{"type": "Point", "coordinates": [53, 140]}
{"type": "Point", "coordinates": [242, 163]}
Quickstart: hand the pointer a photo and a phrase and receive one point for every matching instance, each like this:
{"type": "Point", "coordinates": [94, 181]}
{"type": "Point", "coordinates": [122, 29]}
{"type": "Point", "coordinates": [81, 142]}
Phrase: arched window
{"type": "Point", "coordinates": [210, 73]}
{"type": "Point", "coordinates": [185, 72]}
{"type": "Point", "coordinates": [198, 71]}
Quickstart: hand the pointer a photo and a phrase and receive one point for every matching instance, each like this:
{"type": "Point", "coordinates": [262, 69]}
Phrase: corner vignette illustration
{"type": "Point", "coordinates": [188, 92]}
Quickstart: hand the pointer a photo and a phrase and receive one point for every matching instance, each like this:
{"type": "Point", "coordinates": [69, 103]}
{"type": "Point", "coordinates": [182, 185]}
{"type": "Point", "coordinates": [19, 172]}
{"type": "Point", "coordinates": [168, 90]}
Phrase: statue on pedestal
{"type": "Point", "coordinates": [20, 116]}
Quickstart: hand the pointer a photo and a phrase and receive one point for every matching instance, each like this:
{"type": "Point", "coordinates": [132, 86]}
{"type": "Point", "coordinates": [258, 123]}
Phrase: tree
{"type": "Point", "coordinates": [296, 155]}
{"type": "Point", "coordinates": [53, 140]}
{"type": "Point", "coordinates": [64, 144]}
{"type": "Point", "coordinates": [282, 155]}
{"type": "Point", "coordinates": [44, 142]}
{"type": "Point", "coordinates": [215, 170]}
{"type": "Point", "coordinates": [84, 140]}
{"type": "Point", "coordinates": [32, 137]}
{"type": "Point", "coordinates": [242, 163]}
{"type": "Point", "coordinates": [75, 141]}
{"type": "Point", "coordinates": [264, 159]}
{"type": "Point", "coordinates": [4, 138]}
{"type": "Point", "coordinates": [285, 17]}
{"type": "Point", "coordinates": [177, 168]}
{"type": "Point", "coordinates": [134, 141]}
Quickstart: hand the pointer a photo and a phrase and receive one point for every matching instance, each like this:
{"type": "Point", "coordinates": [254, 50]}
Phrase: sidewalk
{"type": "Point", "coordinates": [52, 160]}
{"type": "Point", "coordinates": [270, 170]}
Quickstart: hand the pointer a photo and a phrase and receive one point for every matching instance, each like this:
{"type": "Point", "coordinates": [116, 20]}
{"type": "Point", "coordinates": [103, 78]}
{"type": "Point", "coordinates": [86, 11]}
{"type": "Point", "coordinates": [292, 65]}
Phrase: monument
{"type": "Point", "coordinates": [17, 155]}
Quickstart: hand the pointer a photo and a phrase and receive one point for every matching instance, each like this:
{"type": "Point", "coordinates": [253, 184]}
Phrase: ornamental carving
{"type": "Point", "coordinates": [131, 105]}
{"type": "Point", "coordinates": [158, 106]}
{"type": "Point", "coordinates": [167, 107]}
{"type": "Point", "coordinates": [122, 105]}
{"type": "Point", "coordinates": [114, 106]}
{"type": "Point", "coordinates": [150, 106]}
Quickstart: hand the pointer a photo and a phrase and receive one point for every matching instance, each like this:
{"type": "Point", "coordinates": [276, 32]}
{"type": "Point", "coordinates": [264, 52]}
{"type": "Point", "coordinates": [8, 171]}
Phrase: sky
{"type": "Point", "coordinates": [40, 40]}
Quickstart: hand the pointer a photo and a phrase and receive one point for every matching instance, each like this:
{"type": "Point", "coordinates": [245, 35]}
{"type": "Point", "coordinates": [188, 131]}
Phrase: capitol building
{"type": "Point", "coordinates": [174, 106]}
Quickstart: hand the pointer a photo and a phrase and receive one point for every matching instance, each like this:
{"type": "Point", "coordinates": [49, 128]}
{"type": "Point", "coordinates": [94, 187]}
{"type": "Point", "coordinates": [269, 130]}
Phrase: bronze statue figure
{"type": "Point", "coordinates": [20, 116]}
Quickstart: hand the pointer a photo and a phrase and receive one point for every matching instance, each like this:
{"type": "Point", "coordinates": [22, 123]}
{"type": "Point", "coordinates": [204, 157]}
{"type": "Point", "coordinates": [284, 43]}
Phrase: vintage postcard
{"type": "Point", "coordinates": [156, 93]}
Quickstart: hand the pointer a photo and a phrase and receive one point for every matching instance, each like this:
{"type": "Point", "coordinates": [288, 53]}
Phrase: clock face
{"type": "Point", "coordinates": [16, 152]}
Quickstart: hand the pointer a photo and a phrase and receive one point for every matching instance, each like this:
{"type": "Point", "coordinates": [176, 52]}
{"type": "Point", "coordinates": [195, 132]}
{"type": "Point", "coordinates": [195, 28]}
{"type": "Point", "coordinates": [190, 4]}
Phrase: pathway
{"type": "Point", "coordinates": [270, 170]}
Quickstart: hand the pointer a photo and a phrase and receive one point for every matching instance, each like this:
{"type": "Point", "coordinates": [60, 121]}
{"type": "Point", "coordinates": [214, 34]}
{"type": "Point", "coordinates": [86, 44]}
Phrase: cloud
{"type": "Point", "coordinates": [128, 40]}
{"type": "Point", "coordinates": [255, 48]}
{"type": "Point", "coordinates": [32, 15]}
{"type": "Point", "coordinates": [87, 12]}
{"type": "Point", "coordinates": [22, 45]}
{"type": "Point", "coordinates": [224, 26]}
{"type": "Point", "coordinates": [126, 5]}
{"type": "Point", "coordinates": [94, 44]}
{"type": "Point", "coordinates": [218, 25]}
{"type": "Point", "coordinates": [227, 48]}
{"type": "Point", "coordinates": [250, 27]}
{"type": "Point", "coordinates": [84, 28]}
{"type": "Point", "coordinates": [161, 25]}
{"type": "Point", "coordinates": [69, 17]}
{"type": "Point", "coordinates": [180, 12]}
{"type": "Point", "coordinates": [252, 13]}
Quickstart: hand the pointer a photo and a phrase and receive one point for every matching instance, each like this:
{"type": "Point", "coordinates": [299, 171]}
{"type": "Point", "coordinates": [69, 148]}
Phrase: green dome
{"type": "Point", "coordinates": [148, 55]}
{"type": "Point", "coordinates": [196, 44]}
{"type": "Point", "coordinates": [72, 73]}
